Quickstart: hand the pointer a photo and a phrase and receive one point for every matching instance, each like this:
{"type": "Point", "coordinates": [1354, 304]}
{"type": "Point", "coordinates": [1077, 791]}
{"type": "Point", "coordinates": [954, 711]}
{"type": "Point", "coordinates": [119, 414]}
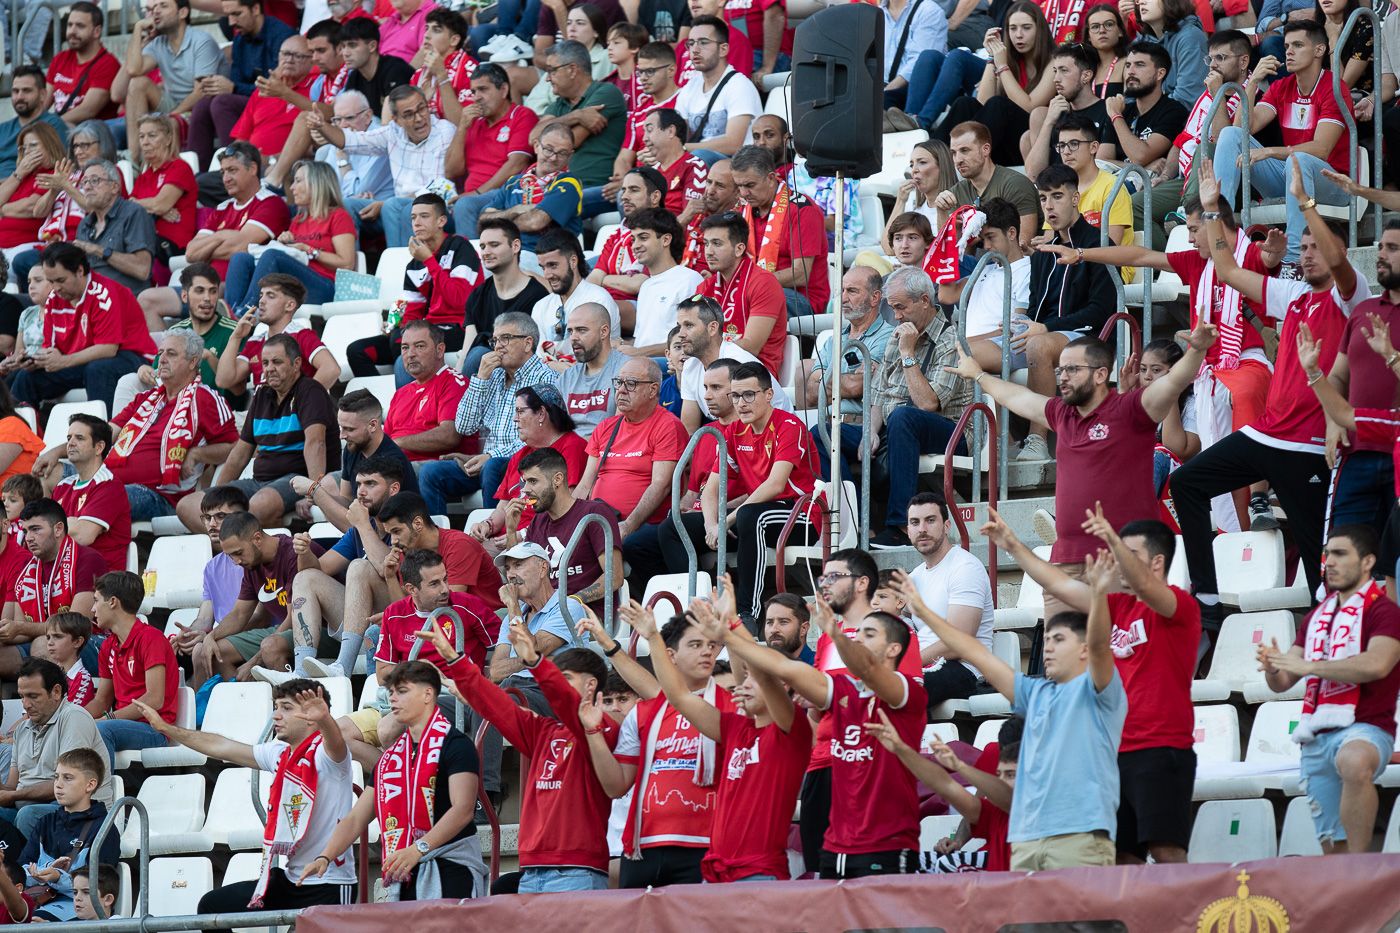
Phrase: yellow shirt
{"type": "Point", "coordinates": [1091, 201]}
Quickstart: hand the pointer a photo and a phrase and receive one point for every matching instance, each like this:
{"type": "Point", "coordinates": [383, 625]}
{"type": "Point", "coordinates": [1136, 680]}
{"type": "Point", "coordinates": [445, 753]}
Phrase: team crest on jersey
{"type": "Point", "coordinates": [1124, 640]}
{"type": "Point", "coordinates": [503, 135]}
{"type": "Point", "coordinates": [1098, 432]}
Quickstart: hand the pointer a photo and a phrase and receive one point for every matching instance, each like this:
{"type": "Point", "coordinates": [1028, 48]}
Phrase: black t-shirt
{"type": "Point", "coordinates": [277, 429]}
{"type": "Point", "coordinates": [10, 310]}
{"type": "Point", "coordinates": [1167, 118]}
{"type": "Point", "coordinates": [392, 72]}
{"type": "Point", "coordinates": [458, 756]}
{"type": "Point", "coordinates": [664, 19]}
{"type": "Point", "coordinates": [387, 448]}
{"type": "Point", "coordinates": [485, 304]}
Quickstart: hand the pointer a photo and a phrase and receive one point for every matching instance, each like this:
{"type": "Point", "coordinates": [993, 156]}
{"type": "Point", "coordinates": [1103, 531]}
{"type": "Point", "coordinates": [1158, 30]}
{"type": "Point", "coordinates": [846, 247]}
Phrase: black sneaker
{"type": "Point", "coordinates": [890, 538]}
{"type": "Point", "coordinates": [1261, 514]}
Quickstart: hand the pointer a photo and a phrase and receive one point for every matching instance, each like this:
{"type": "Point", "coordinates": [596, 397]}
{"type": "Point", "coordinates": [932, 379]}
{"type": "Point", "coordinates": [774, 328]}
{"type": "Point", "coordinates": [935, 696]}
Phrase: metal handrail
{"type": "Point", "coordinates": [1349, 119]}
{"type": "Point", "coordinates": [834, 450]}
{"type": "Point", "coordinates": [1228, 90]}
{"type": "Point", "coordinates": [722, 545]}
{"type": "Point", "coordinates": [656, 597]}
{"type": "Point", "coordinates": [1134, 329]}
{"type": "Point", "coordinates": [484, 799]}
{"type": "Point", "coordinates": [610, 590]}
{"type": "Point", "coordinates": [960, 321]}
{"type": "Point", "coordinates": [143, 895]}
{"type": "Point", "coordinates": [804, 501]}
{"type": "Point", "coordinates": [959, 431]}
{"type": "Point", "coordinates": [459, 639]}
{"type": "Point", "coordinates": [1129, 170]}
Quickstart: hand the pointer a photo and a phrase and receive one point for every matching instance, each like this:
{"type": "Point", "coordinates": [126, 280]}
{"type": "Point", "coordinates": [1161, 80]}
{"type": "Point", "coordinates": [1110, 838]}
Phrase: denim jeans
{"type": "Point", "coordinates": [520, 17]}
{"type": "Point", "coordinates": [561, 880]}
{"type": "Point", "coordinates": [850, 452]}
{"type": "Point", "coordinates": [442, 480]}
{"type": "Point", "coordinates": [797, 303]}
{"type": "Point", "coordinates": [244, 274]}
{"type": "Point", "coordinates": [146, 503]}
{"type": "Point", "coordinates": [363, 228]}
{"type": "Point", "coordinates": [395, 218]}
{"type": "Point", "coordinates": [1271, 178]}
{"type": "Point", "coordinates": [938, 79]}
{"type": "Point", "coordinates": [126, 735]}
{"type": "Point", "coordinates": [466, 213]}
{"type": "Point", "coordinates": [1365, 490]}
{"type": "Point", "coordinates": [99, 378]}
{"type": "Point", "coordinates": [26, 819]}
{"type": "Point", "coordinates": [910, 433]}
{"type": "Point", "coordinates": [1161, 469]}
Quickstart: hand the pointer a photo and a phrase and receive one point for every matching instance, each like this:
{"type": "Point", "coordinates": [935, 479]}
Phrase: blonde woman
{"type": "Point", "coordinates": [24, 205]}
{"type": "Point", "coordinates": [930, 174]}
{"type": "Point", "coordinates": [322, 229]}
{"type": "Point", "coordinates": [166, 187]}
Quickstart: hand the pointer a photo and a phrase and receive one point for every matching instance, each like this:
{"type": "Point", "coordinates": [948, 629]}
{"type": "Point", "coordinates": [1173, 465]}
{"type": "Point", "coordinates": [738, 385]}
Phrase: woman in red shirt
{"type": "Point", "coordinates": [166, 187]}
{"type": "Point", "coordinates": [320, 240]}
{"type": "Point", "coordinates": [23, 204]}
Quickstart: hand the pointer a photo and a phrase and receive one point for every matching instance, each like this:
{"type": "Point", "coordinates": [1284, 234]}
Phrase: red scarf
{"type": "Point", "coordinates": [1063, 17]}
{"type": "Point", "coordinates": [1333, 634]}
{"type": "Point", "coordinates": [616, 256]}
{"type": "Point", "coordinates": [180, 430]}
{"type": "Point", "coordinates": [729, 296]}
{"type": "Point", "coordinates": [694, 257]}
{"type": "Point", "coordinates": [944, 253]}
{"type": "Point", "coordinates": [533, 186]}
{"type": "Point", "coordinates": [39, 600]}
{"type": "Point", "coordinates": [459, 65]}
{"type": "Point", "coordinates": [405, 786]}
{"type": "Point", "coordinates": [288, 808]}
{"type": "Point", "coordinates": [764, 248]}
{"type": "Point", "coordinates": [334, 84]}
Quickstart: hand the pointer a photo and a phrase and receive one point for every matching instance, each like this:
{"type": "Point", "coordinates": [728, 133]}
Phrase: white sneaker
{"type": "Point", "coordinates": [316, 668]}
{"type": "Point", "coordinates": [1033, 448]}
{"type": "Point", "coordinates": [1044, 524]}
{"type": "Point", "coordinates": [268, 676]}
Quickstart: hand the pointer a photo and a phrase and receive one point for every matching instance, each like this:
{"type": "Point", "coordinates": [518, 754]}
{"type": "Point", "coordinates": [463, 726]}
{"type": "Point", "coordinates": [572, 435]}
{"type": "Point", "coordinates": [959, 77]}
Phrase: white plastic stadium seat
{"type": "Point", "coordinates": [944, 732]}
{"type": "Point", "coordinates": [792, 364]}
{"type": "Point", "coordinates": [381, 387]}
{"type": "Point", "coordinates": [1179, 575]}
{"type": "Point", "coordinates": [342, 695]}
{"type": "Point", "coordinates": [1299, 835]}
{"type": "Point", "coordinates": [677, 584]}
{"type": "Point", "coordinates": [1030, 600]}
{"type": "Point", "coordinates": [1246, 561]}
{"type": "Point", "coordinates": [175, 805]}
{"type": "Point", "coordinates": [1234, 667]}
{"type": "Point", "coordinates": [932, 829]}
{"type": "Point", "coordinates": [392, 264]}
{"type": "Point", "coordinates": [239, 711]}
{"type": "Point", "coordinates": [345, 329]}
{"type": "Point", "coordinates": [177, 884]}
{"type": "Point", "coordinates": [1233, 831]}
{"type": "Point", "coordinates": [1293, 596]}
{"type": "Point", "coordinates": [987, 732]}
{"type": "Point", "coordinates": [1391, 842]}
{"type": "Point", "coordinates": [1007, 647]}
{"type": "Point", "coordinates": [56, 429]}
{"type": "Point", "coordinates": [178, 564]}
{"type": "Point", "coordinates": [233, 820]}
{"type": "Point", "coordinates": [894, 164]}
{"type": "Point", "coordinates": [1270, 758]}
{"type": "Point", "coordinates": [184, 718]}
{"type": "Point", "coordinates": [181, 616]}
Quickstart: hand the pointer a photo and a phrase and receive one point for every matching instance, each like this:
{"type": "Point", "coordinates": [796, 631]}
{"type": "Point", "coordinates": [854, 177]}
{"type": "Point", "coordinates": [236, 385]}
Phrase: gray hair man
{"type": "Point", "coordinates": [117, 234]}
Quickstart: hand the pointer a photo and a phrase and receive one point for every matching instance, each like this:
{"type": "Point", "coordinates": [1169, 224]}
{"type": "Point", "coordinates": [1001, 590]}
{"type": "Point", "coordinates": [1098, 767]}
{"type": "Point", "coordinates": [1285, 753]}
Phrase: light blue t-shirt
{"type": "Point", "coordinates": [549, 619]}
{"type": "Point", "coordinates": [1067, 774]}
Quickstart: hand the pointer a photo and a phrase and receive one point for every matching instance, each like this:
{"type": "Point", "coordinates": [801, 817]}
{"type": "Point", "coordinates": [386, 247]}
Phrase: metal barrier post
{"type": "Point", "coordinates": [459, 637]}
{"type": "Point", "coordinates": [1349, 119]}
{"type": "Point", "coordinates": [722, 546]}
{"type": "Point", "coordinates": [1132, 171]}
{"type": "Point", "coordinates": [960, 321]}
{"type": "Point", "coordinates": [143, 897]}
{"type": "Point", "coordinates": [824, 432]}
{"type": "Point", "coordinates": [1207, 143]}
{"type": "Point", "coordinates": [1134, 331]}
{"type": "Point", "coordinates": [959, 431]}
{"type": "Point", "coordinates": [608, 583]}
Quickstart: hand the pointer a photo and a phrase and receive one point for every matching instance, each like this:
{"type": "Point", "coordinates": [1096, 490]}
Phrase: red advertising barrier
{"type": "Point", "coordinates": [1332, 894]}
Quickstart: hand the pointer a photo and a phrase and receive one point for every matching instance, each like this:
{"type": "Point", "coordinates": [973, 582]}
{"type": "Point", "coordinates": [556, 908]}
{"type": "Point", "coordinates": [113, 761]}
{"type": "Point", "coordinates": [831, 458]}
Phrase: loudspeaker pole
{"type": "Point", "coordinates": [834, 367]}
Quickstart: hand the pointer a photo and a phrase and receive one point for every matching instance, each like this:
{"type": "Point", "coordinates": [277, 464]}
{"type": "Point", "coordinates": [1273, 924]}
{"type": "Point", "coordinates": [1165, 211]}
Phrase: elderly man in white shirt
{"type": "Point", "coordinates": [365, 180]}
{"type": "Point", "coordinates": [416, 143]}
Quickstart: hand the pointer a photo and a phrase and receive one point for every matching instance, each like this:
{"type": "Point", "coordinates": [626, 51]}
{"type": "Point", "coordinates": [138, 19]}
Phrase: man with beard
{"type": "Point", "coordinates": [786, 621]}
{"type": "Point", "coordinates": [1101, 432]}
{"type": "Point", "coordinates": [954, 584]}
{"type": "Point", "coordinates": [701, 321]}
{"type": "Point", "coordinates": [720, 196]}
{"type": "Point", "coordinates": [423, 414]}
{"type": "Point", "coordinates": [507, 289]}
{"type": "Point", "coordinates": [1286, 443]}
{"type": "Point", "coordinates": [76, 99]}
{"type": "Point", "coordinates": [164, 40]}
{"type": "Point", "coordinates": [361, 419]}
{"type": "Point", "coordinates": [751, 297]}
{"type": "Point", "coordinates": [1145, 127]}
{"type": "Point", "coordinates": [1072, 74]}
{"type": "Point", "coordinates": [617, 269]}
{"type": "Point", "coordinates": [685, 174]}
{"type": "Point", "coordinates": [564, 269]}
{"type": "Point", "coordinates": [1228, 54]}
{"type": "Point", "coordinates": [587, 386]}
{"type": "Point", "coordinates": [982, 179]}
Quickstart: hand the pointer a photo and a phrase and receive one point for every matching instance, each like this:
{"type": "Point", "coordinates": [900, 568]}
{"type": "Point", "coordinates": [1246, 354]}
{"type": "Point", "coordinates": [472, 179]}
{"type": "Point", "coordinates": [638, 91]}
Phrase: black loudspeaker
{"type": "Point", "coordinates": [837, 95]}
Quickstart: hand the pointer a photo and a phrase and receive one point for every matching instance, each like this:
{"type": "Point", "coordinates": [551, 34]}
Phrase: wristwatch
{"type": "Point", "coordinates": [908, 362]}
{"type": "Point", "coordinates": [422, 847]}
{"type": "Point", "coordinates": [106, 252]}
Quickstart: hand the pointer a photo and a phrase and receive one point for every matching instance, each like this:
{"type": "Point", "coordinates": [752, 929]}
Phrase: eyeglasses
{"type": "Point", "coordinates": [210, 518]}
{"type": "Point", "coordinates": [1107, 25]}
{"type": "Point", "coordinates": [83, 144]}
{"type": "Point", "coordinates": [648, 72]}
{"type": "Point", "coordinates": [1071, 370]}
{"type": "Point", "coordinates": [828, 578]}
{"type": "Point", "coordinates": [346, 121]}
{"type": "Point", "coordinates": [295, 56]}
{"type": "Point", "coordinates": [413, 114]}
{"type": "Point", "coordinates": [1070, 145]}
{"type": "Point", "coordinates": [747, 398]}
{"type": "Point", "coordinates": [700, 43]}
{"type": "Point", "coordinates": [554, 70]}
{"type": "Point", "coordinates": [542, 149]}
{"type": "Point", "coordinates": [631, 384]}
{"type": "Point", "coordinates": [94, 181]}
{"type": "Point", "coordinates": [501, 340]}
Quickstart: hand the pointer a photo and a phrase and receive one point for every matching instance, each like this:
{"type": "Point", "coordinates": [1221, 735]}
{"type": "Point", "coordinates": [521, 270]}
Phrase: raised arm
{"type": "Point", "coordinates": [1339, 410]}
{"type": "Point", "coordinates": [1102, 572]}
{"type": "Point", "coordinates": [1155, 592]}
{"type": "Point", "coordinates": [997, 672]}
{"type": "Point", "coordinates": [887, 684]}
{"type": "Point", "coordinates": [1161, 396]}
{"type": "Point", "coordinates": [702, 714]}
{"type": "Point", "coordinates": [1021, 400]}
{"type": "Point", "coordinates": [1109, 255]}
{"type": "Point", "coordinates": [933, 775]}
{"type": "Point", "coordinates": [206, 743]}
{"type": "Point", "coordinates": [1333, 249]}
{"type": "Point", "coordinates": [637, 677]}
{"type": "Point", "coordinates": [1247, 283]}
{"type": "Point", "coordinates": [1073, 593]}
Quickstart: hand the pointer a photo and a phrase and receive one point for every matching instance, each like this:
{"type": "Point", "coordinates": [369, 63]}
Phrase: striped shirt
{"type": "Point", "coordinates": [276, 428]}
{"type": "Point", "coordinates": [413, 165]}
{"type": "Point", "coordinates": [488, 406]}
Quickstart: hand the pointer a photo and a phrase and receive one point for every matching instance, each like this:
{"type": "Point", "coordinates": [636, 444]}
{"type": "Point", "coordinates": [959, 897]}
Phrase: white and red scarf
{"type": "Point", "coordinates": [333, 85]}
{"type": "Point", "coordinates": [1223, 312]}
{"type": "Point", "coordinates": [1063, 17]}
{"type": "Point", "coordinates": [64, 216]}
{"type": "Point", "coordinates": [289, 805]}
{"type": "Point", "coordinates": [616, 256]}
{"type": "Point", "coordinates": [1333, 634]}
{"type": "Point", "coordinates": [180, 430]}
{"type": "Point", "coordinates": [764, 247]}
{"type": "Point", "coordinates": [40, 599]}
{"type": "Point", "coordinates": [460, 65]}
{"type": "Point", "coordinates": [405, 786]}
{"type": "Point", "coordinates": [533, 185]}
{"type": "Point", "coordinates": [729, 294]}
{"type": "Point", "coordinates": [1191, 134]}
{"type": "Point", "coordinates": [694, 256]}
{"type": "Point", "coordinates": [945, 252]}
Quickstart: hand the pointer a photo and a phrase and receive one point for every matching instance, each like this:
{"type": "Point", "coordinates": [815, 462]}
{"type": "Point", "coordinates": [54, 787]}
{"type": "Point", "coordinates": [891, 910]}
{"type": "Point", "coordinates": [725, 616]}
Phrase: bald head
{"type": "Point", "coordinates": [589, 331]}
{"type": "Point", "coordinates": [720, 194]}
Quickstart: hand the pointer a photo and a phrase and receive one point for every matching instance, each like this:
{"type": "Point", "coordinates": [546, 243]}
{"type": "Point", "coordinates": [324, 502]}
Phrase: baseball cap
{"type": "Point", "coordinates": [521, 551]}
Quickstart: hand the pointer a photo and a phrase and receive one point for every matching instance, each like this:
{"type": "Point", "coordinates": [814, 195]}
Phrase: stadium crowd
{"type": "Point", "coordinates": [565, 387]}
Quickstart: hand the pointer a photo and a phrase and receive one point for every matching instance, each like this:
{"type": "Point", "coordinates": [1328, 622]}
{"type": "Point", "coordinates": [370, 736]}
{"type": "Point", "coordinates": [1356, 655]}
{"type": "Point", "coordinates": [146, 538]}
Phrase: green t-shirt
{"type": "Point", "coordinates": [215, 340]}
{"type": "Point", "coordinates": [592, 163]}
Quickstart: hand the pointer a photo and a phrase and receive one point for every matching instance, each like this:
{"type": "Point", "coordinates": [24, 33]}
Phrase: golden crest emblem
{"type": "Point", "coordinates": [392, 833]}
{"type": "Point", "coordinates": [1243, 913]}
